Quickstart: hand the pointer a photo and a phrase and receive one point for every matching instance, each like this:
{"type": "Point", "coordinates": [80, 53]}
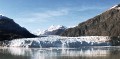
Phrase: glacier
{"type": "Point", "coordinates": [60, 42]}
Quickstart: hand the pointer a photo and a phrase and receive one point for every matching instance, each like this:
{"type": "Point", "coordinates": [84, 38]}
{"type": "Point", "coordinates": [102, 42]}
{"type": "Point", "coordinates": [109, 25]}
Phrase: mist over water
{"type": "Point", "coordinates": [58, 53]}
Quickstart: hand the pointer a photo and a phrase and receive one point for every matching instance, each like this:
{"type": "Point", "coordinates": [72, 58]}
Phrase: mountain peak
{"type": "Point", "coordinates": [11, 30]}
{"type": "Point", "coordinates": [116, 6]}
{"type": "Point", "coordinates": [105, 24]}
{"type": "Point", "coordinates": [52, 27]}
{"type": "Point", "coordinates": [5, 19]}
{"type": "Point", "coordinates": [2, 16]}
{"type": "Point", "coordinates": [52, 30]}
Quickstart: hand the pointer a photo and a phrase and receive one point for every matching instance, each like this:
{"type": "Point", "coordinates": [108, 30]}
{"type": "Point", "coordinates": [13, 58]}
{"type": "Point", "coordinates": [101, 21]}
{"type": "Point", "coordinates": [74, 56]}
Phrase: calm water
{"type": "Point", "coordinates": [57, 53]}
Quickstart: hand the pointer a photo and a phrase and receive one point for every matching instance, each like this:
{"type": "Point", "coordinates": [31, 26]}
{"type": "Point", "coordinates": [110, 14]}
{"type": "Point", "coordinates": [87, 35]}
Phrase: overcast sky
{"type": "Point", "coordinates": [40, 14]}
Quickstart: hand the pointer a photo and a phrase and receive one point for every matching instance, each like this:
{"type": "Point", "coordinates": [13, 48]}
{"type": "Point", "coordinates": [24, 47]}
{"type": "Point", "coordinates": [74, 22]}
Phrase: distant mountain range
{"type": "Point", "coordinates": [105, 24]}
{"type": "Point", "coordinates": [11, 30]}
{"type": "Point", "coordinates": [52, 30]}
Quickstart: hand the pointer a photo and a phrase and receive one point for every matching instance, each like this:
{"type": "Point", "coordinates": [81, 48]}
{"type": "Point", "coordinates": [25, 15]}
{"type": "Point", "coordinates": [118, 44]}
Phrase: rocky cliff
{"type": "Point", "coordinates": [105, 24]}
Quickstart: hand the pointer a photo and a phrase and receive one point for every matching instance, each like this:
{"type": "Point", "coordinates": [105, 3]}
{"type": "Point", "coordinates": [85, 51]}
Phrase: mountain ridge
{"type": "Point", "coordinates": [10, 30]}
{"type": "Point", "coordinates": [105, 24]}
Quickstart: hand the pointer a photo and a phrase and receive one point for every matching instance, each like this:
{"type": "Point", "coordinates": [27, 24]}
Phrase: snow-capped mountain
{"type": "Point", "coordinates": [38, 32]}
{"type": "Point", "coordinates": [116, 7]}
{"type": "Point", "coordinates": [52, 30]}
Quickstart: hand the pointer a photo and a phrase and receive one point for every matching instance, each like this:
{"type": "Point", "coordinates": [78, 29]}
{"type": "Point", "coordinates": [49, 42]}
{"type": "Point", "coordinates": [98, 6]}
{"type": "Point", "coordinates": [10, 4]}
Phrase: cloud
{"type": "Point", "coordinates": [44, 16]}
{"type": "Point", "coordinates": [47, 14]}
{"type": "Point", "coordinates": [86, 8]}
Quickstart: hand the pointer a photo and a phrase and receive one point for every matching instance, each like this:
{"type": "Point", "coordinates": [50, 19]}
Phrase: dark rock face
{"type": "Point", "coordinates": [10, 30]}
{"type": "Point", "coordinates": [118, 5]}
{"type": "Point", "coordinates": [115, 41]}
{"type": "Point", "coordinates": [105, 24]}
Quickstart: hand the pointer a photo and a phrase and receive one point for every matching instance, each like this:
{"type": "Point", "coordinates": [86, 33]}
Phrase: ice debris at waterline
{"type": "Point", "coordinates": [60, 42]}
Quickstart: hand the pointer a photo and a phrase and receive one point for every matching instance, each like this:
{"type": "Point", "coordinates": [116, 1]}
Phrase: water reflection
{"type": "Point", "coordinates": [57, 53]}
